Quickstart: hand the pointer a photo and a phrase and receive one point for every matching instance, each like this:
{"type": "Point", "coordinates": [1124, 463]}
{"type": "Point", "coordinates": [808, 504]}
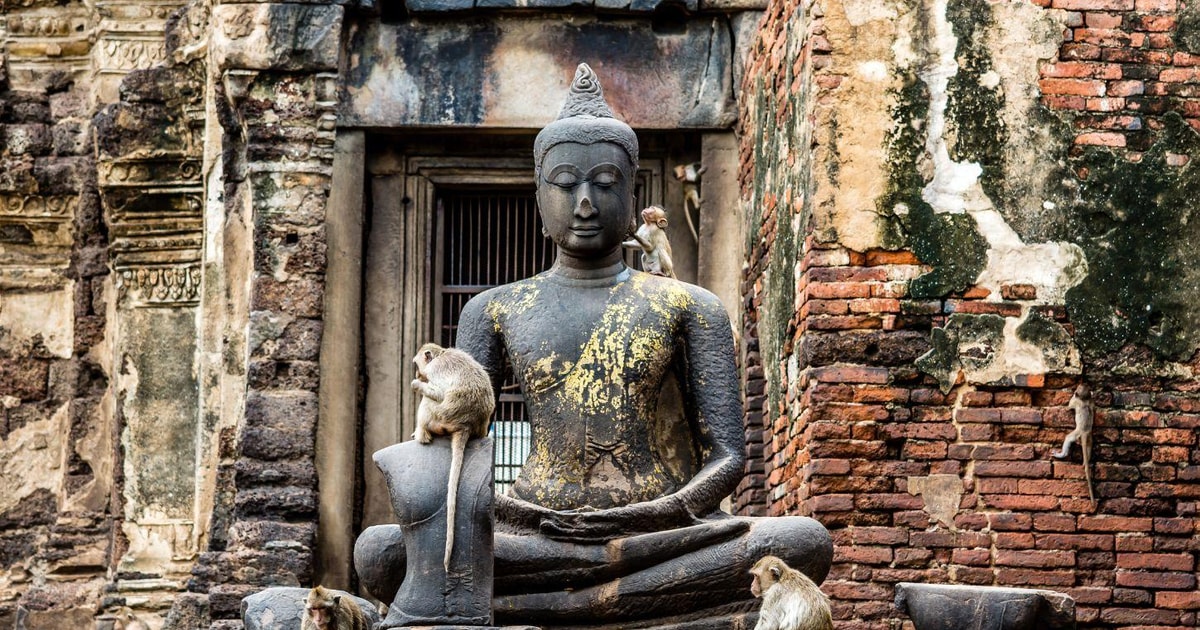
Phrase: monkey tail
{"type": "Point", "coordinates": [1085, 446]}
{"type": "Point", "coordinates": [458, 448]}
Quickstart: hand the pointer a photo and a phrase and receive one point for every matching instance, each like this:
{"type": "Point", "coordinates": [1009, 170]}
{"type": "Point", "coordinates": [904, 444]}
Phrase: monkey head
{"type": "Point", "coordinates": [655, 215]}
{"type": "Point", "coordinates": [425, 354]}
{"type": "Point", "coordinates": [681, 172]}
{"type": "Point", "coordinates": [767, 571]}
{"type": "Point", "coordinates": [1083, 391]}
{"type": "Point", "coordinates": [320, 606]}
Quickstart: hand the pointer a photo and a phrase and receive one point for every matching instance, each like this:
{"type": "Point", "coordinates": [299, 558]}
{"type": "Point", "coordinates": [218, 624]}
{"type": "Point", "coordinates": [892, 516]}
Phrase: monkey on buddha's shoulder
{"type": "Point", "coordinates": [791, 601]}
{"type": "Point", "coordinates": [324, 610]}
{"type": "Point", "coordinates": [651, 238]}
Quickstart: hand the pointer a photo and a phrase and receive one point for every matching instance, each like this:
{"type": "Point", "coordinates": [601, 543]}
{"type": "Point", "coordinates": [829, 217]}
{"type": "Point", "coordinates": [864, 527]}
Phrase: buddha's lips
{"type": "Point", "coordinates": [585, 230]}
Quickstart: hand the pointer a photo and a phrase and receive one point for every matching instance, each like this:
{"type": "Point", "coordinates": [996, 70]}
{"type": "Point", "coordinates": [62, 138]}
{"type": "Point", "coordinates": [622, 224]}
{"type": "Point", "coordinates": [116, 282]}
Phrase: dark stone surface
{"type": "Point", "coordinates": [956, 607]}
{"type": "Point", "coordinates": [381, 560]}
{"type": "Point", "coordinates": [281, 608]}
{"type": "Point", "coordinates": [431, 594]}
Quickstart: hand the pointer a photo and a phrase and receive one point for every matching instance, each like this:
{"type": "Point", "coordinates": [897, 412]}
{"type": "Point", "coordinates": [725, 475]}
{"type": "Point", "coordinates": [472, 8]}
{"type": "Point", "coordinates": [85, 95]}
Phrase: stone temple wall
{"type": "Point", "coordinates": [957, 211]}
{"type": "Point", "coordinates": [961, 210]}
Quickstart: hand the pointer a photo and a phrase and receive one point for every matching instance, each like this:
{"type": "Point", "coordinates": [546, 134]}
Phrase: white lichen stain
{"type": "Point", "coordinates": [942, 495]}
{"type": "Point", "coordinates": [955, 188]}
{"type": "Point", "coordinates": [49, 316]}
{"type": "Point", "coordinates": [31, 459]}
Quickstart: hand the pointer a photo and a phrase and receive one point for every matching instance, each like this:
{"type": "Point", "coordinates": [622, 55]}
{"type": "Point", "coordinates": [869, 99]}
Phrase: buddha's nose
{"type": "Point", "coordinates": [584, 209]}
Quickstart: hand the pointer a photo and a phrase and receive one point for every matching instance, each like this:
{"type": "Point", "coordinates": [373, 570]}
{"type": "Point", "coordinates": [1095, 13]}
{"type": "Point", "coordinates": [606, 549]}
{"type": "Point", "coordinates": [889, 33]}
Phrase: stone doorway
{"type": "Point", "coordinates": [442, 227]}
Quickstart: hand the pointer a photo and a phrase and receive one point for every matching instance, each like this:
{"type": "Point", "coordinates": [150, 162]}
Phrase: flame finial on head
{"type": "Point", "coordinates": [585, 118]}
{"type": "Point", "coordinates": [586, 97]}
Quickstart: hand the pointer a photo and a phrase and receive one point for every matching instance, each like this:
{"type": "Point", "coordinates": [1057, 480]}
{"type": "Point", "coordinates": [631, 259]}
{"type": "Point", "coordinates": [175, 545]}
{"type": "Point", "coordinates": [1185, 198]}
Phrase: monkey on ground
{"type": "Point", "coordinates": [651, 237]}
{"type": "Point", "coordinates": [1081, 402]}
{"type": "Point", "coordinates": [456, 400]}
{"type": "Point", "coordinates": [791, 601]}
{"type": "Point", "coordinates": [325, 611]}
{"type": "Point", "coordinates": [690, 174]}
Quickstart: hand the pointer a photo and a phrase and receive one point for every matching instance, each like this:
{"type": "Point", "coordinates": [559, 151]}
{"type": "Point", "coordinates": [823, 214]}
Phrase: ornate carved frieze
{"type": "Point", "coordinates": [41, 39]}
{"type": "Point", "coordinates": [177, 285]}
{"type": "Point", "coordinates": [35, 240]}
{"type": "Point", "coordinates": [119, 55]}
{"type": "Point", "coordinates": [129, 37]}
{"type": "Point", "coordinates": [51, 208]}
{"type": "Point", "coordinates": [155, 209]}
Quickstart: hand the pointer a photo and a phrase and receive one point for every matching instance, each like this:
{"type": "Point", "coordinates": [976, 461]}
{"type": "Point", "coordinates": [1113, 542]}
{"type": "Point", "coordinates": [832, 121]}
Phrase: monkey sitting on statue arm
{"type": "Point", "coordinates": [456, 400]}
{"type": "Point", "coordinates": [791, 601]}
{"type": "Point", "coordinates": [651, 238]}
{"type": "Point", "coordinates": [325, 611]}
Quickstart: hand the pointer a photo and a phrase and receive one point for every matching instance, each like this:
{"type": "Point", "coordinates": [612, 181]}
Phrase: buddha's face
{"type": "Point", "coordinates": [585, 195]}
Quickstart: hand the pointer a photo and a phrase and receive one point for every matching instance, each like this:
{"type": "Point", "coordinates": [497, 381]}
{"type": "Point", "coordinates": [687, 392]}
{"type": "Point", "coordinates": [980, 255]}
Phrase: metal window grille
{"type": "Point", "coordinates": [485, 239]}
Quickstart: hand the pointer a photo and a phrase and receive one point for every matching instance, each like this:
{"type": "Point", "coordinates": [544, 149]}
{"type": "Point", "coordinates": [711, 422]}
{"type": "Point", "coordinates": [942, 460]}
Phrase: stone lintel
{"type": "Point", "coordinates": [271, 36]}
{"type": "Point", "coordinates": [508, 72]}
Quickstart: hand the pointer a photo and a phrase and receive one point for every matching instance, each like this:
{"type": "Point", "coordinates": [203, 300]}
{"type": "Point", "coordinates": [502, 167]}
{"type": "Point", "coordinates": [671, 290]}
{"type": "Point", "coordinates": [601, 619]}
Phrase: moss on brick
{"type": "Point", "coordinates": [973, 110]}
{"type": "Point", "coordinates": [1136, 223]}
{"type": "Point", "coordinates": [951, 244]}
{"type": "Point", "coordinates": [1187, 29]}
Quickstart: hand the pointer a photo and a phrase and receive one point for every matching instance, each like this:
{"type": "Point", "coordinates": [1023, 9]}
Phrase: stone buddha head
{"type": "Point", "coordinates": [585, 162]}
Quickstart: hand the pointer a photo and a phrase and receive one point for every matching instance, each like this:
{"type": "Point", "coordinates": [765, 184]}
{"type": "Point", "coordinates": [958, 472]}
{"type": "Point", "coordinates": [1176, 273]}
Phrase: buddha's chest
{"type": "Point", "coordinates": [595, 354]}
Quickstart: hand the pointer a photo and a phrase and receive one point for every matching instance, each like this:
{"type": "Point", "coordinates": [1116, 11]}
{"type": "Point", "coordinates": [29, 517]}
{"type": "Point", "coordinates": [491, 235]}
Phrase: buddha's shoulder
{"type": "Point", "coordinates": [506, 298]}
{"type": "Point", "coordinates": [674, 294]}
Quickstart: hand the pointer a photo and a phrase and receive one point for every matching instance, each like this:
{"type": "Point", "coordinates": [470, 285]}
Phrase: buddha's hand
{"type": "Point", "coordinates": [598, 526]}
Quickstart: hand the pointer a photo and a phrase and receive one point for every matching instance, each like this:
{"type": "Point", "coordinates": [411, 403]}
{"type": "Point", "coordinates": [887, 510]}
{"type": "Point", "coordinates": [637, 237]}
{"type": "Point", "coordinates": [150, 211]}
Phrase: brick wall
{"type": "Point", "coordinates": [923, 482]}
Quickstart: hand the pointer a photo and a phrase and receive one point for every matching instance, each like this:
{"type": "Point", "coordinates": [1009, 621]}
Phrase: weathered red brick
{"type": "Point", "coordinates": [1156, 580]}
{"type": "Point", "coordinates": [971, 557]}
{"type": "Point", "coordinates": [1180, 75]}
{"type": "Point", "coordinates": [1035, 559]}
{"type": "Point", "coordinates": [1103, 139]}
{"type": "Point", "coordinates": [863, 554]}
{"type": "Point", "coordinates": [1032, 577]}
{"type": "Point", "coordinates": [1054, 522]}
{"type": "Point", "coordinates": [1095, 19]}
{"type": "Point", "coordinates": [1104, 104]}
{"type": "Point", "coordinates": [1160, 561]}
{"type": "Point", "coordinates": [1188, 600]}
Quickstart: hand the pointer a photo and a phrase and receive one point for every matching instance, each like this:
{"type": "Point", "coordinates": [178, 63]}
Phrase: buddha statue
{"type": "Point", "coordinates": [636, 418]}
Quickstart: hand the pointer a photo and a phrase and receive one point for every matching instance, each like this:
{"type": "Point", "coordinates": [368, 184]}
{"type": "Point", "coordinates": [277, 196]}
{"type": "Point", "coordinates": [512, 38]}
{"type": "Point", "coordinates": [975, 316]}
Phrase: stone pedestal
{"type": "Point", "coordinates": [417, 477]}
{"type": "Point", "coordinates": [955, 607]}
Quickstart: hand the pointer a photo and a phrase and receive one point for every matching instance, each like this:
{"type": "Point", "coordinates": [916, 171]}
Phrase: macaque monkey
{"type": "Point", "coordinates": [651, 237]}
{"type": "Point", "coordinates": [791, 601]}
{"type": "Point", "coordinates": [690, 174]}
{"type": "Point", "coordinates": [1081, 402]}
{"type": "Point", "coordinates": [456, 400]}
{"type": "Point", "coordinates": [325, 611]}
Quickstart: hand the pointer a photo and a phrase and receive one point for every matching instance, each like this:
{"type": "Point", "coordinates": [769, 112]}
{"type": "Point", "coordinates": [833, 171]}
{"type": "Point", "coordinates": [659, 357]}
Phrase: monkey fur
{"type": "Point", "coordinates": [323, 610]}
{"type": "Point", "coordinates": [690, 174]}
{"type": "Point", "coordinates": [456, 400]}
{"type": "Point", "coordinates": [651, 237]}
{"type": "Point", "coordinates": [1081, 402]}
{"type": "Point", "coordinates": [791, 601]}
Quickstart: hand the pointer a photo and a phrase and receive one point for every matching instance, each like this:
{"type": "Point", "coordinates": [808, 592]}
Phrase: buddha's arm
{"type": "Point", "coordinates": [477, 337]}
{"type": "Point", "coordinates": [713, 388]}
